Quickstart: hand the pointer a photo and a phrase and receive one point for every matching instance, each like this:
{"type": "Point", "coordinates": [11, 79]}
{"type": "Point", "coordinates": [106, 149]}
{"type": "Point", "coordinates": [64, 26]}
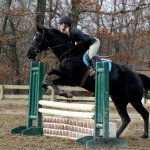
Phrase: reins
{"type": "Point", "coordinates": [50, 48]}
{"type": "Point", "coordinates": [59, 59]}
{"type": "Point", "coordinates": [60, 45]}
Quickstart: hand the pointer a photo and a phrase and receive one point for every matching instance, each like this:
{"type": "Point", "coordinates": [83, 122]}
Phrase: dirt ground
{"type": "Point", "coordinates": [13, 114]}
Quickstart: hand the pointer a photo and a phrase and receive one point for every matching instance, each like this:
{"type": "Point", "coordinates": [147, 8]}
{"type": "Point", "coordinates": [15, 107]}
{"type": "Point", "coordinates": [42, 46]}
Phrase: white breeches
{"type": "Point", "coordinates": [93, 49]}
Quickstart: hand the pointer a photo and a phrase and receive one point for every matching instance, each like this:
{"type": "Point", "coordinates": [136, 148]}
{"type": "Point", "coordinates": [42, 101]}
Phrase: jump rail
{"type": "Point", "coordinates": [70, 120]}
{"type": "Point", "coordinates": [69, 106]}
{"type": "Point", "coordinates": [68, 114]}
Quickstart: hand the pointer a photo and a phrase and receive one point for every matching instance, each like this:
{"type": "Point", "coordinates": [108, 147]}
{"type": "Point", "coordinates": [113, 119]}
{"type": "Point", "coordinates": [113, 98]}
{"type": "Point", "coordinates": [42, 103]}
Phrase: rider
{"type": "Point", "coordinates": [83, 42]}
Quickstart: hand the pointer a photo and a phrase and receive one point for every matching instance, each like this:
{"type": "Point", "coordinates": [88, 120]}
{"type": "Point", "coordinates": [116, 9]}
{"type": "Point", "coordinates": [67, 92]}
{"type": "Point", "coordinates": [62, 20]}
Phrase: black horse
{"type": "Point", "coordinates": [146, 83]}
{"type": "Point", "coordinates": [125, 86]}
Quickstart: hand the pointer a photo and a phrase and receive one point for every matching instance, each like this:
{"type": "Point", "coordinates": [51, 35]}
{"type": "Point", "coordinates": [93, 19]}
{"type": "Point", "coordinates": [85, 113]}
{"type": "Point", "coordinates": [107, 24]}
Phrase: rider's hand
{"type": "Point", "coordinates": [78, 42]}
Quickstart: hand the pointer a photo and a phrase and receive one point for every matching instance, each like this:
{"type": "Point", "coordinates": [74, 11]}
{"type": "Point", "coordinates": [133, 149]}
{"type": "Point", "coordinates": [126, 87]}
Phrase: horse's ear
{"type": "Point", "coordinates": [39, 28]}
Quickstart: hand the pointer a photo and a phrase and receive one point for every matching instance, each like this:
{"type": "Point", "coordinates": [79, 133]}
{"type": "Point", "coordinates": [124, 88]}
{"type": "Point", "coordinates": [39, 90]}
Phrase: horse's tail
{"type": "Point", "coordinates": [146, 81]}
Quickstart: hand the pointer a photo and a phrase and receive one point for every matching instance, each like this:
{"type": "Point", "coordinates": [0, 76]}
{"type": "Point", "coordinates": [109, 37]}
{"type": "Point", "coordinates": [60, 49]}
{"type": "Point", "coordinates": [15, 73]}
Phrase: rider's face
{"type": "Point", "coordinates": [61, 26]}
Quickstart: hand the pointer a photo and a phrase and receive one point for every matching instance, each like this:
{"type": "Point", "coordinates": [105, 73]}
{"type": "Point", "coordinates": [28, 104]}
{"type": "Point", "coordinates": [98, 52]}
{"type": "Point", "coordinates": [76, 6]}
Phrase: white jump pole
{"type": "Point", "coordinates": [71, 114]}
{"type": "Point", "coordinates": [68, 106]}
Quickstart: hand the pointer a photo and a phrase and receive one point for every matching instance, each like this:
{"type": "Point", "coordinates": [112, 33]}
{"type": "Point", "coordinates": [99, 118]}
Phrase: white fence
{"type": "Point", "coordinates": [4, 94]}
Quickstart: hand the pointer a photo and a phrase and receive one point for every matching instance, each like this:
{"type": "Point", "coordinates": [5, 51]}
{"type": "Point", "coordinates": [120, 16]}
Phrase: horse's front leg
{"type": "Point", "coordinates": [47, 80]}
{"type": "Point", "coordinates": [61, 81]}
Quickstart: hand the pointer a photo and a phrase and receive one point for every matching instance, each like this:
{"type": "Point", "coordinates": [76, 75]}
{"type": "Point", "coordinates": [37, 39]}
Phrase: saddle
{"type": "Point", "coordinates": [91, 70]}
{"type": "Point", "coordinates": [97, 58]}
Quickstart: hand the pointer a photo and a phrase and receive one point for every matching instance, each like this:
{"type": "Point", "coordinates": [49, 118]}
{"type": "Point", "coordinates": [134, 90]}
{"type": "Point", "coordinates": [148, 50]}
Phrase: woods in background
{"type": "Point", "coordinates": [123, 28]}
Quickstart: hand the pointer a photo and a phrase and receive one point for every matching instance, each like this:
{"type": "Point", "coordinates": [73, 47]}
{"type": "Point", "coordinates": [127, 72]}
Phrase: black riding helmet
{"type": "Point", "coordinates": [65, 19]}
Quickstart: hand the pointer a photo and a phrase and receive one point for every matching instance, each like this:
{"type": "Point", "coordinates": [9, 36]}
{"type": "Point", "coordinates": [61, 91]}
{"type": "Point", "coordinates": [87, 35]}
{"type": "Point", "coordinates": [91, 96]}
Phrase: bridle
{"type": "Point", "coordinates": [36, 48]}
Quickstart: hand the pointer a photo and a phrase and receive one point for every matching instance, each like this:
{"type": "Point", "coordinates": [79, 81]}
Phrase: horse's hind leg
{"type": "Point", "coordinates": [122, 111]}
{"type": "Point", "coordinates": [145, 115]}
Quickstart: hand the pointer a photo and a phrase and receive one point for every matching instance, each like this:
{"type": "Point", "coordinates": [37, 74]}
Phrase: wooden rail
{"type": "Point", "coordinates": [52, 96]}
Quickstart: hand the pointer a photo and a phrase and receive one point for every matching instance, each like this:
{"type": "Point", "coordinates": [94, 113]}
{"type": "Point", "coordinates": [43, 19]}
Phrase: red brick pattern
{"type": "Point", "coordinates": [67, 127]}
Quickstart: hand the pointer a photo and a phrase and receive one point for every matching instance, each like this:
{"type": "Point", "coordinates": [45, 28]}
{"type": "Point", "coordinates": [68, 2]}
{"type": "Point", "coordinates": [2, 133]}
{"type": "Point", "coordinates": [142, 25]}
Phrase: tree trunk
{"type": "Point", "coordinates": [40, 12]}
{"type": "Point", "coordinates": [50, 12]}
{"type": "Point", "coordinates": [40, 16]}
{"type": "Point", "coordinates": [12, 46]}
{"type": "Point", "coordinates": [74, 13]}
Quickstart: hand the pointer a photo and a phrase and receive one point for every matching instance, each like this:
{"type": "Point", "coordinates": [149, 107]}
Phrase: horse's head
{"type": "Point", "coordinates": [39, 43]}
{"type": "Point", "coordinates": [54, 39]}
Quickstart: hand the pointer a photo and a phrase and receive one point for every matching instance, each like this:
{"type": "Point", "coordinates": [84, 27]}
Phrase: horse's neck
{"type": "Point", "coordinates": [57, 47]}
{"type": "Point", "coordinates": [59, 43]}
{"type": "Point", "coordinates": [59, 53]}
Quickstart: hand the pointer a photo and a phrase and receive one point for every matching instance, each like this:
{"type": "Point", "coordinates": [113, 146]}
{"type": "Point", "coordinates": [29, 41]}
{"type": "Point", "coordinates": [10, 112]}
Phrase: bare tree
{"type": "Point", "coordinates": [40, 12]}
{"type": "Point", "coordinates": [11, 47]}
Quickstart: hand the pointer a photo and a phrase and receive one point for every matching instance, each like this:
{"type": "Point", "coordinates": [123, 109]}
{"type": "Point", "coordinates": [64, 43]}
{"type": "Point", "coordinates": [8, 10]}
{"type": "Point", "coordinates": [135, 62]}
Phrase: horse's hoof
{"type": "Point", "coordinates": [144, 136]}
{"type": "Point", "coordinates": [117, 134]}
{"type": "Point", "coordinates": [70, 95]}
{"type": "Point", "coordinates": [66, 94]}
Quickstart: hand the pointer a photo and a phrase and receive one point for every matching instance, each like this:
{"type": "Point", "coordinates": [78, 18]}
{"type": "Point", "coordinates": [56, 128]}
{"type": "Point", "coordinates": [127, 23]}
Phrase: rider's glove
{"type": "Point", "coordinates": [78, 42]}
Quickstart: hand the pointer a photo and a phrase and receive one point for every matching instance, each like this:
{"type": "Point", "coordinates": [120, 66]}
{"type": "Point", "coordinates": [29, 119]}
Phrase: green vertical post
{"type": "Point", "coordinates": [102, 100]}
{"type": "Point", "coordinates": [31, 98]}
{"type": "Point", "coordinates": [102, 111]}
{"type": "Point", "coordinates": [98, 115]}
{"type": "Point", "coordinates": [35, 94]}
{"type": "Point", "coordinates": [106, 102]}
{"type": "Point", "coordinates": [40, 92]}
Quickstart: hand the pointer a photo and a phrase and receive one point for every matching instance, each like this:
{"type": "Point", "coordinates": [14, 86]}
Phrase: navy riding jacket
{"type": "Point", "coordinates": [81, 40]}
